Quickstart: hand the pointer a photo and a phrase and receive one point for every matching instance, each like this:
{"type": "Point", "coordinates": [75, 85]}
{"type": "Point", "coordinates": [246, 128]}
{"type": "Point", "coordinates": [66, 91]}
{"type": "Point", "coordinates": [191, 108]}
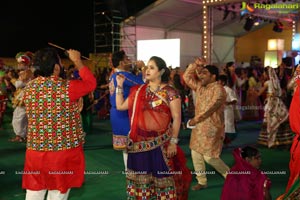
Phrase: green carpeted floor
{"type": "Point", "coordinates": [108, 181]}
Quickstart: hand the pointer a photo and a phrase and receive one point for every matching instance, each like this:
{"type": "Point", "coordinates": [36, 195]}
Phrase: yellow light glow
{"type": "Point", "coordinates": [275, 44]}
{"type": "Point", "coordinates": [272, 58]}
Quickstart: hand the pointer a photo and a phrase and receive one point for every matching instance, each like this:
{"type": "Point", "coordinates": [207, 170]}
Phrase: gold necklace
{"type": "Point", "coordinates": [151, 96]}
{"type": "Point", "coordinates": [156, 90]}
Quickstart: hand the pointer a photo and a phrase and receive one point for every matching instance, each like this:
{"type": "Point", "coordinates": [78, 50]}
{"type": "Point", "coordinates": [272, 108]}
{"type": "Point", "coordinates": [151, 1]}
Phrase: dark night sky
{"type": "Point", "coordinates": [28, 26]}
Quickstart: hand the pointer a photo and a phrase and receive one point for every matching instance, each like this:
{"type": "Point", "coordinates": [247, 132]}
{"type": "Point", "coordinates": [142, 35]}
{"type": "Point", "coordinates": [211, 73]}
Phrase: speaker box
{"type": "Point", "coordinates": [249, 23]}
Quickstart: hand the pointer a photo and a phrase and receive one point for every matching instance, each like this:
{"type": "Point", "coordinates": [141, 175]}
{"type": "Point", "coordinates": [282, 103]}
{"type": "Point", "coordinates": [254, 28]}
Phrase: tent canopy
{"type": "Point", "coordinates": [186, 15]}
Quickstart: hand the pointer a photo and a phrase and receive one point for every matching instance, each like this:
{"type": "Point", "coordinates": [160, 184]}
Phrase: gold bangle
{"type": "Point", "coordinates": [119, 90]}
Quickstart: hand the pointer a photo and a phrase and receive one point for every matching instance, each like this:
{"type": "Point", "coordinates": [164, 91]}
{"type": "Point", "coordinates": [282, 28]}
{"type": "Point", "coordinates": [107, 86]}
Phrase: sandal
{"type": "Point", "coordinates": [198, 187]}
{"type": "Point", "coordinates": [17, 139]}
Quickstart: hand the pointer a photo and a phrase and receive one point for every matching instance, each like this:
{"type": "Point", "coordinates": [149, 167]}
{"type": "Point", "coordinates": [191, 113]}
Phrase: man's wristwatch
{"type": "Point", "coordinates": [174, 140]}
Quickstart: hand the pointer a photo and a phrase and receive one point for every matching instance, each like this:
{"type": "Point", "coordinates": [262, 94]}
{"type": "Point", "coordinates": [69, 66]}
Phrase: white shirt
{"type": "Point", "coordinates": [229, 110]}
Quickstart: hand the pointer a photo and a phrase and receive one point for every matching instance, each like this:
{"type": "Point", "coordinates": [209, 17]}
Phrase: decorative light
{"type": "Point", "coordinates": [294, 29]}
{"type": "Point", "coordinates": [272, 58]}
{"type": "Point", "coordinates": [275, 44]}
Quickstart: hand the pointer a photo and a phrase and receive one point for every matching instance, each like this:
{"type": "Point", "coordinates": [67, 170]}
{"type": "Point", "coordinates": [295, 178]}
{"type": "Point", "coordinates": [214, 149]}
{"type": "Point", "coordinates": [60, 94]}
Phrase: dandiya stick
{"type": "Point", "coordinates": [59, 47]}
{"type": "Point", "coordinates": [97, 100]}
{"type": "Point", "coordinates": [127, 78]}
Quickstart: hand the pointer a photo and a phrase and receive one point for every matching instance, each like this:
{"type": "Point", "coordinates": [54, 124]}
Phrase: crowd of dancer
{"type": "Point", "coordinates": [147, 107]}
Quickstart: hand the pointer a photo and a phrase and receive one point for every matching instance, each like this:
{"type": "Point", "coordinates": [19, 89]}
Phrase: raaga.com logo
{"type": "Point", "coordinates": [284, 7]}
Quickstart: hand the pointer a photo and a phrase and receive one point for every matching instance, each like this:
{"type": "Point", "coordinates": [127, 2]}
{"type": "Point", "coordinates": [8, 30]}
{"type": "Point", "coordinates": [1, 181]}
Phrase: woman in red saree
{"type": "Point", "coordinates": [245, 180]}
{"type": "Point", "coordinates": [156, 165]}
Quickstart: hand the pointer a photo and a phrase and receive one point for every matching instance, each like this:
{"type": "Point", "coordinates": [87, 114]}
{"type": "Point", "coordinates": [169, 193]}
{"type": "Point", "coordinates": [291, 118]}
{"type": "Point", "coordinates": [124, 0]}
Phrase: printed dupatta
{"type": "Point", "coordinates": [276, 112]}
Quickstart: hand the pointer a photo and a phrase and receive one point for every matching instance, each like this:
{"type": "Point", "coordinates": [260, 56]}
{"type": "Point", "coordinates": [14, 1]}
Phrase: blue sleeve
{"type": "Point", "coordinates": [133, 80]}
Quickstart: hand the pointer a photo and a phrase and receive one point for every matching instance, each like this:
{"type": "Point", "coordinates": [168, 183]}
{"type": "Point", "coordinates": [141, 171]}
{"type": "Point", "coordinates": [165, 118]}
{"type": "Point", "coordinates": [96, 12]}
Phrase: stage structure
{"type": "Point", "coordinates": [207, 22]}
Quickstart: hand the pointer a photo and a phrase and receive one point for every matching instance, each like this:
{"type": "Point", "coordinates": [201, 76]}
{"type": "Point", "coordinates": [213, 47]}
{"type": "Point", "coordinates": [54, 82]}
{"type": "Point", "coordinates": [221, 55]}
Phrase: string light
{"type": "Point", "coordinates": [205, 30]}
{"type": "Point", "coordinates": [206, 43]}
{"type": "Point", "coordinates": [294, 29]}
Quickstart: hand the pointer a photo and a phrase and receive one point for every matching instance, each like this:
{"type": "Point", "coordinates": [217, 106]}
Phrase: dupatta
{"type": "Point", "coordinates": [244, 181]}
{"type": "Point", "coordinates": [149, 113]}
{"type": "Point", "coordinates": [276, 111]}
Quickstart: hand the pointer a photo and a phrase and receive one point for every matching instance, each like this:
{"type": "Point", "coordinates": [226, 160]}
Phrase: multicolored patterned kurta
{"type": "Point", "coordinates": [207, 138]}
{"type": "Point", "coordinates": [54, 155]}
{"type": "Point", "coordinates": [54, 121]}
